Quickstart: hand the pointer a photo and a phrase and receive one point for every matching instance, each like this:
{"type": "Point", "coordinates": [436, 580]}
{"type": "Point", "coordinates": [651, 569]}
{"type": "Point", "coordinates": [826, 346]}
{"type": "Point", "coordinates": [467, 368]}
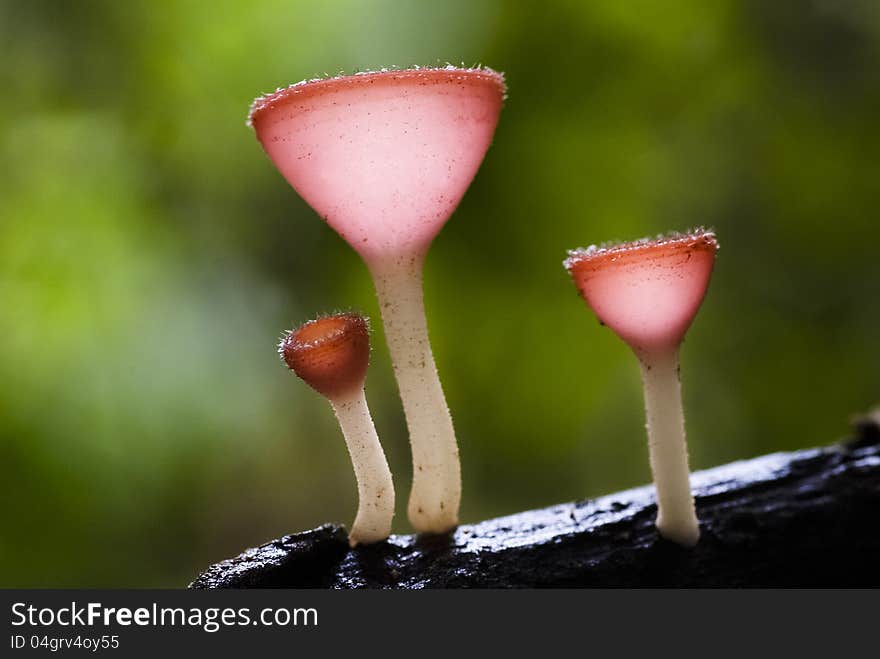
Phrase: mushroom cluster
{"type": "Point", "coordinates": [384, 158]}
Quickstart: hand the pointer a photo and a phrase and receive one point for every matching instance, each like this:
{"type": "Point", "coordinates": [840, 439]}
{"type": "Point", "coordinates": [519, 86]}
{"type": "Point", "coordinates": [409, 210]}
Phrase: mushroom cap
{"type": "Point", "coordinates": [647, 291]}
{"type": "Point", "coordinates": [384, 157]}
{"type": "Point", "coordinates": [330, 354]}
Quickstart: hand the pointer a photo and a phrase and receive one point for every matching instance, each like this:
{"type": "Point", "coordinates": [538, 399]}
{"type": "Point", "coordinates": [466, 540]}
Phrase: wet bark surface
{"type": "Point", "coordinates": [807, 518]}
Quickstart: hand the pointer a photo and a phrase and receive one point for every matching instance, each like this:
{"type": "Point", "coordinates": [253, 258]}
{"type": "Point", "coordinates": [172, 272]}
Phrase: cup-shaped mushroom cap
{"type": "Point", "coordinates": [383, 157]}
{"type": "Point", "coordinates": [330, 354]}
{"type": "Point", "coordinates": [647, 291]}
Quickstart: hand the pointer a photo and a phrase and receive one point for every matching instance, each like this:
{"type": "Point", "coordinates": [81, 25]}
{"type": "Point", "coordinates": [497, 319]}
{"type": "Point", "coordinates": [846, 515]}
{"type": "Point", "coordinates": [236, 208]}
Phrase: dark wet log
{"type": "Point", "coordinates": [808, 518]}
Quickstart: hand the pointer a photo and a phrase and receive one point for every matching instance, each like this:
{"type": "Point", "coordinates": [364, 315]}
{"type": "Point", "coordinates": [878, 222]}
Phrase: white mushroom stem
{"type": "Point", "coordinates": [375, 488]}
{"type": "Point", "coordinates": [676, 515]}
{"type": "Point", "coordinates": [436, 489]}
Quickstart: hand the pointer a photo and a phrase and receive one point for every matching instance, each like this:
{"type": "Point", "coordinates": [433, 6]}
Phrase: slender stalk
{"type": "Point", "coordinates": [375, 488]}
{"type": "Point", "coordinates": [676, 515]}
{"type": "Point", "coordinates": [436, 490]}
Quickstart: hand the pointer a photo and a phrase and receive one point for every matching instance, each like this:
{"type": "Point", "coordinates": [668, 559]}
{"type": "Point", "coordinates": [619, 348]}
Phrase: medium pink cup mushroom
{"type": "Point", "coordinates": [331, 355]}
{"type": "Point", "coordinates": [385, 158]}
{"type": "Point", "coordinates": [648, 292]}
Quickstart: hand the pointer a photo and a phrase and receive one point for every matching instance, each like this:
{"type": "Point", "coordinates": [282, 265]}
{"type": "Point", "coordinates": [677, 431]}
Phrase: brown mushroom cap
{"type": "Point", "coordinates": [330, 354]}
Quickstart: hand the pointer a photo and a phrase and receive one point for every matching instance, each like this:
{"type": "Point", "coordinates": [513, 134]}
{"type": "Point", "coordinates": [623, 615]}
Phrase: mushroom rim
{"type": "Point", "coordinates": [314, 86]}
{"type": "Point", "coordinates": [353, 322]}
{"type": "Point", "coordinates": [626, 252]}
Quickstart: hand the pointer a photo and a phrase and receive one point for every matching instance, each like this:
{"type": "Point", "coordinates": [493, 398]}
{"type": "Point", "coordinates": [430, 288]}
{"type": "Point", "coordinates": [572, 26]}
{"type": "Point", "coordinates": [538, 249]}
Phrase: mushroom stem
{"type": "Point", "coordinates": [375, 488]}
{"type": "Point", "coordinates": [436, 489]}
{"type": "Point", "coordinates": [676, 515]}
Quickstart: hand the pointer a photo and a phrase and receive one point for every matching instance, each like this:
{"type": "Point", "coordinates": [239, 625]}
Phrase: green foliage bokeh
{"type": "Point", "coordinates": [150, 254]}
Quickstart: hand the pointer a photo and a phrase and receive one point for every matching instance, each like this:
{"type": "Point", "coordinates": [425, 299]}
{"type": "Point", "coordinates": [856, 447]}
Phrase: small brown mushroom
{"type": "Point", "coordinates": [331, 355]}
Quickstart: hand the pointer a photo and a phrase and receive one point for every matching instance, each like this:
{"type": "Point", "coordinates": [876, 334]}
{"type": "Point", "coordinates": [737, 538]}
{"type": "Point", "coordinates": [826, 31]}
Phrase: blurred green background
{"type": "Point", "coordinates": [150, 255]}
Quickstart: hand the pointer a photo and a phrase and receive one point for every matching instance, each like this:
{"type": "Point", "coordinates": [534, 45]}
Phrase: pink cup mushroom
{"type": "Point", "coordinates": [385, 158]}
{"type": "Point", "coordinates": [331, 355]}
{"type": "Point", "coordinates": [648, 292]}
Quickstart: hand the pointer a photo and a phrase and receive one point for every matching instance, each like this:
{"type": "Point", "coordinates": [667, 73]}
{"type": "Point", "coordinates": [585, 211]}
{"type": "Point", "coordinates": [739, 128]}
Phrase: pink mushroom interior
{"type": "Point", "coordinates": [648, 292]}
{"type": "Point", "coordinates": [384, 157]}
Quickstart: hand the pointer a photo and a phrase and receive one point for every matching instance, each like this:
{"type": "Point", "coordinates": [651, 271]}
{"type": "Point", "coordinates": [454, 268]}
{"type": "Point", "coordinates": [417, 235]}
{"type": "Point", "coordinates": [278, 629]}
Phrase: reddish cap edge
{"type": "Point", "coordinates": [267, 101]}
{"type": "Point", "coordinates": [675, 239]}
